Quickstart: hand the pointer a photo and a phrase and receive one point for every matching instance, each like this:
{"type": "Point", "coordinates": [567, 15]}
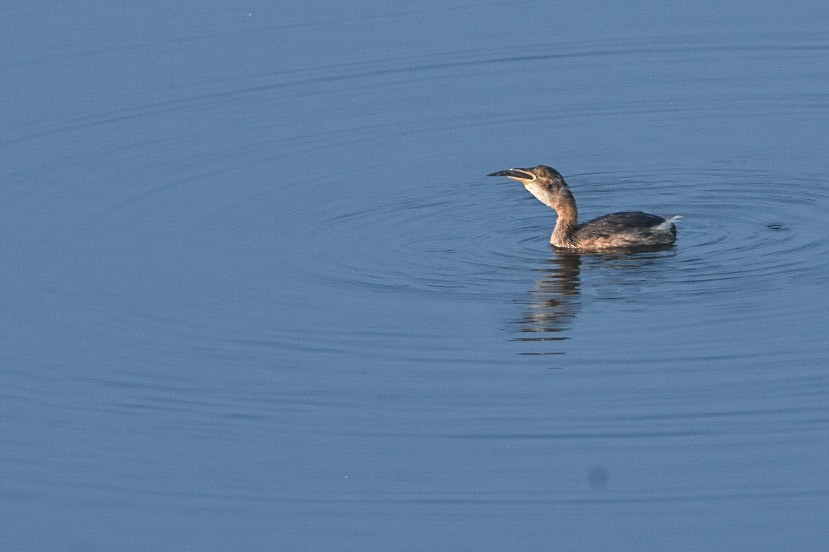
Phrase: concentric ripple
{"type": "Point", "coordinates": [739, 230]}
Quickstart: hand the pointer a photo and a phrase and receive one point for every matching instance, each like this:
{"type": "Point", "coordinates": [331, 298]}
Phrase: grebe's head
{"type": "Point", "coordinates": [544, 182]}
{"type": "Point", "coordinates": [541, 175]}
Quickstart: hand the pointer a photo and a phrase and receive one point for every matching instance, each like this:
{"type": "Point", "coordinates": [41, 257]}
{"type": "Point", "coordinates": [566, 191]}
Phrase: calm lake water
{"type": "Point", "coordinates": [257, 292]}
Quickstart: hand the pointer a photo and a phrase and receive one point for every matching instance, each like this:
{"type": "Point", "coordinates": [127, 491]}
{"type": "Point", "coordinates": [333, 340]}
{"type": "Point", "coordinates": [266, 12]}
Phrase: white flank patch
{"type": "Point", "coordinates": [666, 226]}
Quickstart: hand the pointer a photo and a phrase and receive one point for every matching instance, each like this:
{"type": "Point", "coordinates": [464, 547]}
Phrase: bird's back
{"type": "Point", "coordinates": [625, 229]}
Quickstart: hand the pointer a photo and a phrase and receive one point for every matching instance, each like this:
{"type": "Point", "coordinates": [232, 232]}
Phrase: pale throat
{"type": "Point", "coordinates": [566, 212]}
{"type": "Point", "coordinates": [564, 205]}
{"type": "Point", "coordinates": [541, 193]}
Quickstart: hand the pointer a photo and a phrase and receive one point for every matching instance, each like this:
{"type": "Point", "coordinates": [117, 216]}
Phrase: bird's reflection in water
{"type": "Point", "coordinates": [555, 300]}
{"type": "Point", "coordinates": [552, 304]}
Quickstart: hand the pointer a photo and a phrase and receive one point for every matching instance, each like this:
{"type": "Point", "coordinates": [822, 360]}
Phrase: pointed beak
{"type": "Point", "coordinates": [515, 174]}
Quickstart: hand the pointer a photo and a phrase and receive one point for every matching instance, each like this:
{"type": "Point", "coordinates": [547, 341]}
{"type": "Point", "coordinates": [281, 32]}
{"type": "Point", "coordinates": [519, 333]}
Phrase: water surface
{"type": "Point", "coordinates": [257, 292]}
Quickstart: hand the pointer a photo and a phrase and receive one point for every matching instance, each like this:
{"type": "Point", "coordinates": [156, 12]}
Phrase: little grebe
{"type": "Point", "coordinates": [626, 230]}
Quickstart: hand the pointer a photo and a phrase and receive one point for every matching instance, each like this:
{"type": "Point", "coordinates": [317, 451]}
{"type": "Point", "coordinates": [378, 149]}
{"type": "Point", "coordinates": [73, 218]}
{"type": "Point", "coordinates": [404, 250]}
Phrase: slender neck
{"type": "Point", "coordinates": [567, 220]}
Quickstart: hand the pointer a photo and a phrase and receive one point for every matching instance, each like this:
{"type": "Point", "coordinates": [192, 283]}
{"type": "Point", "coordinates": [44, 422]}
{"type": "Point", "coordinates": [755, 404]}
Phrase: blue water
{"type": "Point", "coordinates": [257, 292]}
